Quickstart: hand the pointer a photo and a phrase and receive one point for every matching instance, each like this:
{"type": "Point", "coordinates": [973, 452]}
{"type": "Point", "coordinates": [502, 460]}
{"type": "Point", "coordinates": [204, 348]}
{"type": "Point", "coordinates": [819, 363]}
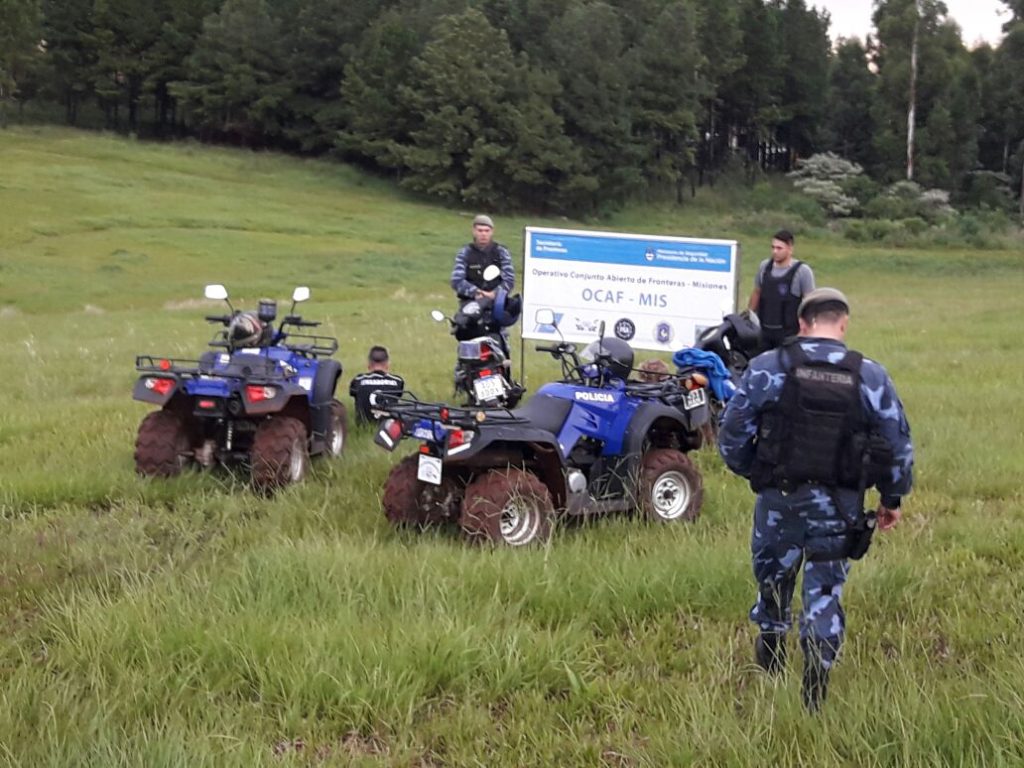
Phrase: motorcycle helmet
{"type": "Point", "coordinates": [616, 353]}
{"type": "Point", "coordinates": [506, 308]}
{"type": "Point", "coordinates": [244, 330]}
{"type": "Point", "coordinates": [746, 328]}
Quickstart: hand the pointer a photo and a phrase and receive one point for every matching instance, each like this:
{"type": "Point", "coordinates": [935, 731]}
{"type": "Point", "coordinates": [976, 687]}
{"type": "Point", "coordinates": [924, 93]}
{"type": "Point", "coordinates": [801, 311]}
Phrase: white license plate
{"type": "Point", "coordinates": [429, 470]}
{"type": "Point", "coordinates": [489, 388]}
{"type": "Point", "coordinates": [695, 398]}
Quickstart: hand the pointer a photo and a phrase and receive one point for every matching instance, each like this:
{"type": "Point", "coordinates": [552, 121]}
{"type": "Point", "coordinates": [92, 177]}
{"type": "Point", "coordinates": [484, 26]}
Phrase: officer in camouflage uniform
{"type": "Point", "coordinates": [813, 425]}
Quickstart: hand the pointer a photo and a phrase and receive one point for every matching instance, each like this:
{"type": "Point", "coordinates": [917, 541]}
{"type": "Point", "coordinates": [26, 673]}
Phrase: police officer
{"type": "Point", "coordinates": [779, 284]}
{"type": "Point", "coordinates": [472, 259]}
{"type": "Point", "coordinates": [377, 379]}
{"type": "Point", "coordinates": [812, 425]}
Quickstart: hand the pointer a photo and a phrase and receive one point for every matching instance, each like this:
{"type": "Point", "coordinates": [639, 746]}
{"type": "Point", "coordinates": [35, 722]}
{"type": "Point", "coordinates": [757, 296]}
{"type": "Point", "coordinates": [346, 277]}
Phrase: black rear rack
{"type": "Point", "coordinates": [251, 368]}
{"type": "Point", "coordinates": [408, 407]}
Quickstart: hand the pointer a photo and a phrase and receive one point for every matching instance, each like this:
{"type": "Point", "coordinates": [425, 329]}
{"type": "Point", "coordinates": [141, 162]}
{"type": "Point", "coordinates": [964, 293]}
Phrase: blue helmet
{"type": "Point", "coordinates": [507, 308]}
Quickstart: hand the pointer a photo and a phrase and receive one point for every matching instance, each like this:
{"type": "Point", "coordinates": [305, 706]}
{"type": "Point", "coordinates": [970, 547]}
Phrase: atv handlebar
{"type": "Point", "coordinates": [222, 319]}
{"type": "Point", "coordinates": [298, 322]}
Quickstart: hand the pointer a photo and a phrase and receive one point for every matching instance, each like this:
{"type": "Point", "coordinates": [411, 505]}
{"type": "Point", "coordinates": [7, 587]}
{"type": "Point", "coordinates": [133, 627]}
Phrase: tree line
{"type": "Point", "coordinates": [569, 106]}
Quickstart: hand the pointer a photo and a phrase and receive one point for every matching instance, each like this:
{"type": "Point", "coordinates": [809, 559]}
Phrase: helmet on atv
{"type": "Point", "coordinates": [615, 353]}
{"type": "Point", "coordinates": [245, 330]}
{"type": "Point", "coordinates": [746, 328]}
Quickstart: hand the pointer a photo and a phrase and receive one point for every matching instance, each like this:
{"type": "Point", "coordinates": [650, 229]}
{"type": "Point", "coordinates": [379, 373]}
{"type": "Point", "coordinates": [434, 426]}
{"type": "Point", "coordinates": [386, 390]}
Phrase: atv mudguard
{"type": "Point", "coordinates": [324, 383]}
{"type": "Point", "coordinates": [625, 468]}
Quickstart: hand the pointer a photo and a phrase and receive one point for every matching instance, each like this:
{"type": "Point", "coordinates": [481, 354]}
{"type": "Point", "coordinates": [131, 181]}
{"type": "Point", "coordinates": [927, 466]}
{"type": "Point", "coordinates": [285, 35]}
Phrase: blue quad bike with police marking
{"type": "Point", "coordinates": [262, 397]}
{"type": "Point", "coordinates": [591, 443]}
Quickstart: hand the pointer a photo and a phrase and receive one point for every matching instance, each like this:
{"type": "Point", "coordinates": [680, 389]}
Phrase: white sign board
{"type": "Point", "coordinates": [655, 292]}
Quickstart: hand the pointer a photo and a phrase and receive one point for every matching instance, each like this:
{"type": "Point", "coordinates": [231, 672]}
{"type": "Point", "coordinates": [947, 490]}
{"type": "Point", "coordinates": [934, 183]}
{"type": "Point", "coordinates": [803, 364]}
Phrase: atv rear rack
{"type": "Point", "coordinates": [254, 369]}
{"type": "Point", "coordinates": [408, 407]}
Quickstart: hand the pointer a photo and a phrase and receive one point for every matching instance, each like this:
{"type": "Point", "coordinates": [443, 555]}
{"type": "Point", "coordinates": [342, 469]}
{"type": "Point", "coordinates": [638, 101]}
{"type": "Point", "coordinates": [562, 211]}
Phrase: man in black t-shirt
{"type": "Point", "coordinates": [378, 378]}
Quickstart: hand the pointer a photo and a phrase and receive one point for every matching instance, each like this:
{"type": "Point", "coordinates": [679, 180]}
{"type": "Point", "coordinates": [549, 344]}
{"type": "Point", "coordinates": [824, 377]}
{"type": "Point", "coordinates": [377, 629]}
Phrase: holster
{"type": "Point", "coordinates": [860, 534]}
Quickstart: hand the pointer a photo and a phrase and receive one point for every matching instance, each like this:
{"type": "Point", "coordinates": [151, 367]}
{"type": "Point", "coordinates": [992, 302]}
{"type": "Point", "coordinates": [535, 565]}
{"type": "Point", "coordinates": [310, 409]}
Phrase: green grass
{"type": "Point", "coordinates": [194, 623]}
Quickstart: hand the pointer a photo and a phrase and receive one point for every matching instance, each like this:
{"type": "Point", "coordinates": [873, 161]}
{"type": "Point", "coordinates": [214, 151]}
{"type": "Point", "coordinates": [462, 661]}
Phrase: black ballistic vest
{"type": "Point", "coordinates": [777, 308]}
{"type": "Point", "coordinates": [817, 431]}
{"type": "Point", "coordinates": [477, 261]}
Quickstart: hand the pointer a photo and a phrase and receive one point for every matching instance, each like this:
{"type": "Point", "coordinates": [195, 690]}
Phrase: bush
{"type": "Point", "coordinates": [906, 200]}
{"type": "Point", "coordinates": [821, 177]}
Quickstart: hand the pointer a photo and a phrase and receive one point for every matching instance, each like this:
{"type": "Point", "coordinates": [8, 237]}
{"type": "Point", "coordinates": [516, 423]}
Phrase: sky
{"type": "Point", "coordinates": [978, 19]}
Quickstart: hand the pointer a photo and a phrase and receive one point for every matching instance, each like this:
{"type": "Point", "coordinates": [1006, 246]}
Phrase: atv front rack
{"type": "Point", "coordinates": [310, 345]}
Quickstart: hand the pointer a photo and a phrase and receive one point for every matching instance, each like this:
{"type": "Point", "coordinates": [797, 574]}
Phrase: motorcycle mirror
{"type": "Point", "coordinates": [300, 294]}
{"type": "Point", "coordinates": [492, 272]}
{"type": "Point", "coordinates": [438, 315]}
{"type": "Point", "coordinates": [545, 317]}
{"type": "Point", "coordinates": [216, 291]}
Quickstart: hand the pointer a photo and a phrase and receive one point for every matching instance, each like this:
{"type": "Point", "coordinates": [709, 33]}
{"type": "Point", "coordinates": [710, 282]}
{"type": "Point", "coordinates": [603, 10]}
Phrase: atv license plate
{"type": "Point", "coordinates": [429, 470]}
{"type": "Point", "coordinates": [695, 398]}
{"type": "Point", "coordinates": [489, 388]}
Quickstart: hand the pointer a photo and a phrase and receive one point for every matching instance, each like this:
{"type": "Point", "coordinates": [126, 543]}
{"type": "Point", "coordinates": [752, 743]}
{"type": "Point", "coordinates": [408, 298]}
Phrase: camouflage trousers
{"type": "Point", "coordinates": [805, 531]}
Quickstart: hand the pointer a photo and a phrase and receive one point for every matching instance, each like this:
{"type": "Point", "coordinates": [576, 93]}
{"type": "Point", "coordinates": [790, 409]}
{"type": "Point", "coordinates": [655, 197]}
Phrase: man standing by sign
{"type": "Point", "coordinates": [812, 426]}
{"type": "Point", "coordinates": [470, 262]}
{"type": "Point", "coordinates": [779, 284]}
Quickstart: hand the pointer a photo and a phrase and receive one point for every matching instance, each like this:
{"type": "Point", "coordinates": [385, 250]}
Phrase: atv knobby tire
{"type": "Point", "coordinates": [337, 431]}
{"type": "Point", "coordinates": [408, 501]}
{"type": "Point", "coordinates": [280, 453]}
{"type": "Point", "coordinates": [161, 447]}
{"type": "Point", "coordinates": [670, 488]}
{"type": "Point", "coordinates": [507, 506]}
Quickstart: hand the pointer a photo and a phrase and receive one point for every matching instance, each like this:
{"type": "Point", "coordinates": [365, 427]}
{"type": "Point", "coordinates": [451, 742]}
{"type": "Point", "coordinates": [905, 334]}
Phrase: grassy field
{"type": "Point", "coordinates": [194, 623]}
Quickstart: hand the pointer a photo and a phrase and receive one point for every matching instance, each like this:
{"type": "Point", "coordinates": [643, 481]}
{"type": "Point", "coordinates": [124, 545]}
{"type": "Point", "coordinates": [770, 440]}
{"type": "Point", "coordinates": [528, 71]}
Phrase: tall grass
{"type": "Point", "coordinates": [192, 622]}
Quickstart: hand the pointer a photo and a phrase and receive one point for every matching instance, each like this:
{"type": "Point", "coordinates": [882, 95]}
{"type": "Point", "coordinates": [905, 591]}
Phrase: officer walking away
{"type": "Point", "coordinates": [779, 285]}
{"type": "Point", "coordinates": [812, 426]}
{"type": "Point", "coordinates": [472, 259]}
{"type": "Point", "coordinates": [377, 379]}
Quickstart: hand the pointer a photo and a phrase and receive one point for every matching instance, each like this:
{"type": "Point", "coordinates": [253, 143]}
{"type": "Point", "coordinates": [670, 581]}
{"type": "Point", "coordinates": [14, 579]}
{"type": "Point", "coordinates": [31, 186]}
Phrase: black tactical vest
{"type": "Point", "coordinates": [817, 431]}
{"type": "Point", "coordinates": [777, 308]}
{"type": "Point", "coordinates": [477, 261]}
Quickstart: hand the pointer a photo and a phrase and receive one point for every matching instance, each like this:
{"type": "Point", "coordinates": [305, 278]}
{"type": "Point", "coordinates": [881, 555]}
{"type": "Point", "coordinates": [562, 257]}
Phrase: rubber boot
{"type": "Point", "coordinates": [770, 652]}
{"type": "Point", "coordinates": [815, 683]}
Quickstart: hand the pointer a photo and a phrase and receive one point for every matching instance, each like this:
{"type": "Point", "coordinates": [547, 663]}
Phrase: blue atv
{"type": "Point", "coordinates": [262, 397]}
{"type": "Point", "coordinates": [593, 443]}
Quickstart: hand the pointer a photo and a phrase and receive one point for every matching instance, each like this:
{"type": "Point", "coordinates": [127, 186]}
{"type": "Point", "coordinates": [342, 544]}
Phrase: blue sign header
{"type": "Point", "coordinates": [639, 252]}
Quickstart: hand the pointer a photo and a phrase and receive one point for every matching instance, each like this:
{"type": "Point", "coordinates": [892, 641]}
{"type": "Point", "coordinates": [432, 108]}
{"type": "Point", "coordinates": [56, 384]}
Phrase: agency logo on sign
{"type": "Point", "coordinates": [663, 333]}
{"type": "Point", "coordinates": [625, 329]}
{"type": "Point", "coordinates": [649, 255]}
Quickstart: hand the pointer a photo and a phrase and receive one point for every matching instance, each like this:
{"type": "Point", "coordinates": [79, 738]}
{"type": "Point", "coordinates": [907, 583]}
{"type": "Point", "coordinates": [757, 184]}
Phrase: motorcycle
{"type": "Point", "coordinates": [483, 366]}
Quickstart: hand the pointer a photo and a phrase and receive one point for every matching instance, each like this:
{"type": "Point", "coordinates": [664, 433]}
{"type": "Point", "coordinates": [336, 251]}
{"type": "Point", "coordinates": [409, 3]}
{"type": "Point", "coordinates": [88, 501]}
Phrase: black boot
{"type": "Point", "coordinates": [770, 652]}
{"type": "Point", "coordinates": [815, 684]}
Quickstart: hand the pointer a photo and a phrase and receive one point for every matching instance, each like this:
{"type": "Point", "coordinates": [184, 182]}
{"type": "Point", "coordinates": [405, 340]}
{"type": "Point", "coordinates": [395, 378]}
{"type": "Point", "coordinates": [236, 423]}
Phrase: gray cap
{"type": "Point", "coordinates": [483, 221]}
{"type": "Point", "coordinates": [823, 296]}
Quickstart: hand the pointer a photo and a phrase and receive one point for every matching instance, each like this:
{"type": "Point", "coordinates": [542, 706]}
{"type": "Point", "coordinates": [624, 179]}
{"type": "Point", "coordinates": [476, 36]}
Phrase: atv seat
{"type": "Point", "coordinates": [545, 412]}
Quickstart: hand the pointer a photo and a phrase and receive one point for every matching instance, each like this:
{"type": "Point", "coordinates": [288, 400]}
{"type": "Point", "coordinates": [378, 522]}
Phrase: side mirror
{"type": "Point", "coordinates": [300, 294]}
{"type": "Point", "coordinates": [216, 291]}
{"type": "Point", "coordinates": [438, 315]}
{"type": "Point", "coordinates": [493, 272]}
{"type": "Point", "coordinates": [544, 317]}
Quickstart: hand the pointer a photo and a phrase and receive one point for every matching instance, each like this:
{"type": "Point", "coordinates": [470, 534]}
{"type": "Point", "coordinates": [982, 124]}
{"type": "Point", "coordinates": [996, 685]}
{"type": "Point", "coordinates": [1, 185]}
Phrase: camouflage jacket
{"type": "Point", "coordinates": [761, 385]}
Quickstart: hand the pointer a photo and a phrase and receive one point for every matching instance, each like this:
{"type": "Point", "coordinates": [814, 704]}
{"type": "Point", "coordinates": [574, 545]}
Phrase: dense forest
{"type": "Point", "coordinates": [569, 106]}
